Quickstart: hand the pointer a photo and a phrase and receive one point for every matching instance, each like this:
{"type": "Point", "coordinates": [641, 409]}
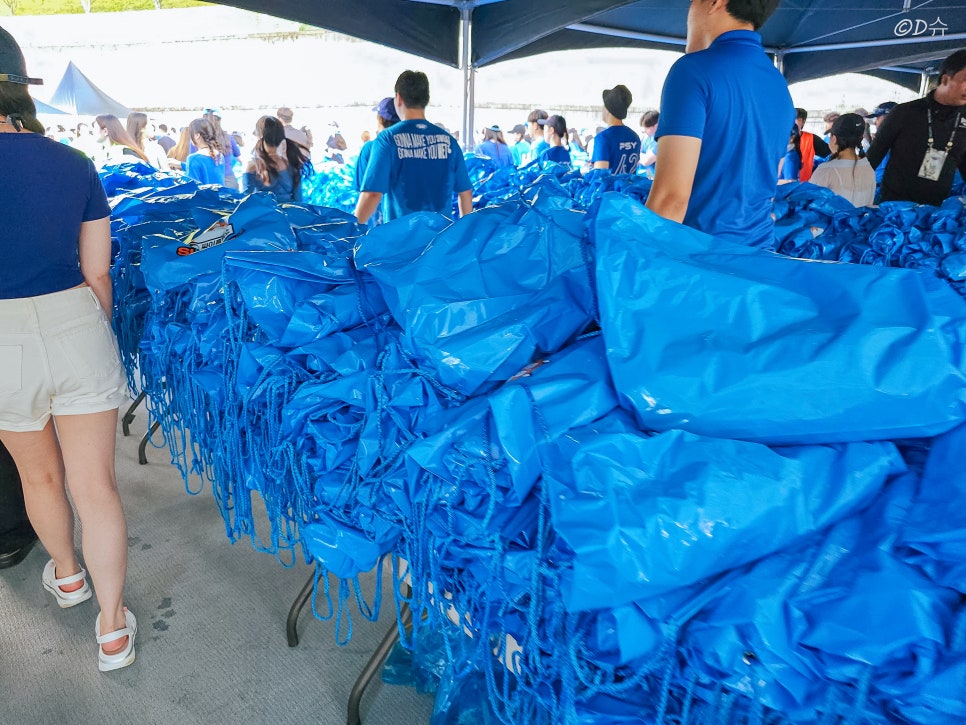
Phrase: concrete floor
{"type": "Point", "coordinates": [211, 645]}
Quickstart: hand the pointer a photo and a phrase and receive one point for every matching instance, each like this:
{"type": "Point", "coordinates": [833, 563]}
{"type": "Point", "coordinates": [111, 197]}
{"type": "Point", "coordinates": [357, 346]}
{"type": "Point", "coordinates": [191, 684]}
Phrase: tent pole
{"type": "Point", "coordinates": [924, 83]}
{"type": "Point", "coordinates": [469, 75]}
{"type": "Point", "coordinates": [780, 61]}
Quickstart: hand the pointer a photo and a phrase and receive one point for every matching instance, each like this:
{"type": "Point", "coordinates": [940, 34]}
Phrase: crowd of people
{"type": "Point", "coordinates": [277, 159]}
{"type": "Point", "coordinates": [205, 151]}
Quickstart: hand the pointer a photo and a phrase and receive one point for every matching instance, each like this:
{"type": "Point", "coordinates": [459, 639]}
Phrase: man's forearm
{"type": "Point", "coordinates": [677, 163]}
{"type": "Point", "coordinates": [466, 202]}
{"type": "Point", "coordinates": [367, 205]}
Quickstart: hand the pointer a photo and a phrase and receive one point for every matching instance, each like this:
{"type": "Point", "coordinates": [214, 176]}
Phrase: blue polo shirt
{"type": "Point", "coordinates": [733, 98]}
{"type": "Point", "coordinates": [417, 166]}
{"type": "Point", "coordinates": [49, 190]}
{"type": "Point", "coordinates": [620, 147]}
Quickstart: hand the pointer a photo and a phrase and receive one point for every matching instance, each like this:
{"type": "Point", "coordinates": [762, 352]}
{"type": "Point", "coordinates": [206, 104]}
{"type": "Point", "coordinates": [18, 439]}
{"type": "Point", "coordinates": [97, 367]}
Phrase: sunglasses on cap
{"type": "Point", "coordinates": [22, 80]}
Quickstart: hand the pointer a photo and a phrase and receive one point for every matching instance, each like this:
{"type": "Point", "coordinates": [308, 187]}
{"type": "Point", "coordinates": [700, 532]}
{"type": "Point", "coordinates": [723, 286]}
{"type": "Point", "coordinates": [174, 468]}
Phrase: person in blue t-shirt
{"type": "Point", "coordinates": [617, 147]}
{"type": "Point", "coordinates": [281, 173]}
{"type": "Point", "coordinates": [535, 122]}
{"type": "Point", "coordinates": [386, 116]}
{"type": "Point", "coordinates": [521, 147]}
{"type": "Point", "coordinates": [790, 167]}
{"type": "Point", "coordinates": [495, 148]}
{"type": "Point", "coordinates": [722, 182]}
{"type": "Point", "coordinates": [877, 117]}
{"type": "Point", "coordinates": [649, 123]}
{"type": "Point", "coordinates": [415, 165]}
{"type": "Point", "coordinates": [554, 132]}
{"type": "Point", "coordinates": [206, 165]}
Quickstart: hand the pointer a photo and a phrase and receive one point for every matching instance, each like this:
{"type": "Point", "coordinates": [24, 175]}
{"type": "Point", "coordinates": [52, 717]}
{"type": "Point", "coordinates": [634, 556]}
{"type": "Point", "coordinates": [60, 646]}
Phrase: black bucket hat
{"type": "Point", "coordinates": [617, 100]}
{"type": "Point", "coordinates": [13, 68]}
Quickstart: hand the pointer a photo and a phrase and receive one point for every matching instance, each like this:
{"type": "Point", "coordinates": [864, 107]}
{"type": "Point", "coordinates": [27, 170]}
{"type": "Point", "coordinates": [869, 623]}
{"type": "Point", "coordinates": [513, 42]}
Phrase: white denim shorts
{"type": "Point", "coordinates": [58, 356]}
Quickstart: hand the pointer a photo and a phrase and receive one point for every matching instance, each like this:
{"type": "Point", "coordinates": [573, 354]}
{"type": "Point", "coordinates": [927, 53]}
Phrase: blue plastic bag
{"type": "Point", "coordinates": [490, 291]}
{"type": "Point", "coordinates": [934, 535]}
{"type": "Point", "coordinates": [298, 297]}
{"type": "Point", "coordinates": [256, 224]}
{"type": "Point", "coordinates": [646, 515]}
{"type": "Point", "coordinates": [492, 445]}
{"type": "Point", "coordinates": [731, 342]}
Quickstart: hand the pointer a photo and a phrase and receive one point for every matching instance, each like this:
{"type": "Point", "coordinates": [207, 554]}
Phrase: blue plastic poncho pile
{"type": "Point", "coordinates": [631, 474]}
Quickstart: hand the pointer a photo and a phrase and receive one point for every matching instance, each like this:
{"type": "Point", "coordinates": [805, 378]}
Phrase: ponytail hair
{"type": "Point", "coordinates": [202, 127]}
{"type": "Point", "coordinates": [849, 131]}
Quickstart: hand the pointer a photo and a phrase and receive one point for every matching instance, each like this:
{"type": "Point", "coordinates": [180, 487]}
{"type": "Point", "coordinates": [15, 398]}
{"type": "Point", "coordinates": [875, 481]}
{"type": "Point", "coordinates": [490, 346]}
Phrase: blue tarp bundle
{"type": "Point", "coordinates": [663, 520]}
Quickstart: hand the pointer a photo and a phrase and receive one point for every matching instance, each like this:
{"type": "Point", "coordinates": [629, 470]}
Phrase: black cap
{"type": "Point", "coordinates": [13, 68]}
{"type": "Point", "coordinates": [848, 126]}
{"type": "Point", "coordinates": [519, 128]}
{"type": "Point", "coordinates": [558, 124]}
{"type": "Point", "coordinates": [617, 100]}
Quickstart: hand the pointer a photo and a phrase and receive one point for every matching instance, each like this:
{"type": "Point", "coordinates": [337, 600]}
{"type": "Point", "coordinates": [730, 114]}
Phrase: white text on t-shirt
{"type": "Point", "coordinates": [422, 146]}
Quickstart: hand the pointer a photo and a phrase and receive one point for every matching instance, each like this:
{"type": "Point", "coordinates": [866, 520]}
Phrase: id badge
{"type": "Point", "coordinates": [932, 164]}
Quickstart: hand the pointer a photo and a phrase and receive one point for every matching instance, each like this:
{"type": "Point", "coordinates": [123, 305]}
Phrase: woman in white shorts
{"type": "Point", "coordinates": [61, 380]}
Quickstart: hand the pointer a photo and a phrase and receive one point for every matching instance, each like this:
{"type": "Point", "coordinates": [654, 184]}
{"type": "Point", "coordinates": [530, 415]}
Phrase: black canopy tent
{"type": "Point", "coordinates": [900, 40]}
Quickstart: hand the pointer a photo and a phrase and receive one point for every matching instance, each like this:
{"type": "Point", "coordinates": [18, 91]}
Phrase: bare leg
{"type": "Point", "coordinates": [38, 458]}
{"type": "Point", "coordinates": [87, 442]}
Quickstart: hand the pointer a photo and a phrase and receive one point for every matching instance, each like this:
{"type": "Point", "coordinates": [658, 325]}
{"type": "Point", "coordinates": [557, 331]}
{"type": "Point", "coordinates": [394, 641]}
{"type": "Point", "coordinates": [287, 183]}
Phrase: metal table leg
{"type": "Point", "coordinates": [376, 661]}
{"type": "Point", "coordinates": [291, 624]}
{"type": "Point", "coordinates": [128, 417]}
{"type": "Point", "coordinates": [142, 456]}
{"type": "Point", "coordinates": [374, 664]}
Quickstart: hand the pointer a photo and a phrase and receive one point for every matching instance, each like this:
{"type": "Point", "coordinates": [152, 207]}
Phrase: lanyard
{"type": "Point", "coordinates": [949, 143]}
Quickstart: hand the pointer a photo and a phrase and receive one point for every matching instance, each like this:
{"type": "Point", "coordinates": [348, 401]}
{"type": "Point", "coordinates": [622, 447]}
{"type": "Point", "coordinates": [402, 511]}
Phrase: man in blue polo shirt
{"type": "Point", "coordinates": [415, 165]}
{"type": "Point", "coordinates": [617, 147]}
{"type": "Point", "coordinates": [722, 183]}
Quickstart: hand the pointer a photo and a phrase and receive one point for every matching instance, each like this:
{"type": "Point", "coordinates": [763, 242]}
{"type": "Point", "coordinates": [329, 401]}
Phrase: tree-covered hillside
{"type": "Point", "coordinates": [63, 7]}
